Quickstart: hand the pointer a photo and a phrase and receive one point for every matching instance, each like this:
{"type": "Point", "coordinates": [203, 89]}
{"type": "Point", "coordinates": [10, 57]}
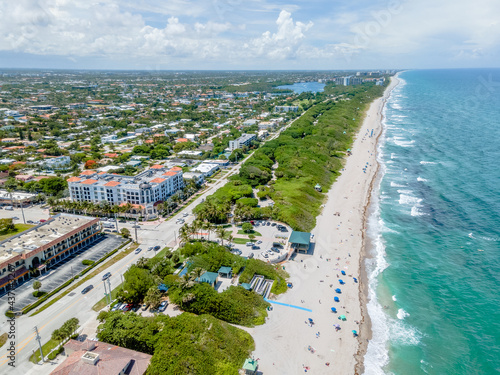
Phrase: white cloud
{"type": "Point", "coordinates": [285, 42]}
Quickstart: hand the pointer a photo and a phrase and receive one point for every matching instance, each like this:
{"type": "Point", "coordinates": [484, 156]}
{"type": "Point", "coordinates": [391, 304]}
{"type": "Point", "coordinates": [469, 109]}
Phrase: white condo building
{"type": "Point", "coordinates": [153, 185]}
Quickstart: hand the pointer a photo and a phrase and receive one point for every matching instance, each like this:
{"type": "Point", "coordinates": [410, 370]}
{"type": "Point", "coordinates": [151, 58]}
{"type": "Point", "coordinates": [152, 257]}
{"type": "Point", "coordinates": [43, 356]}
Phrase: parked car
{"type": "Point", "coordinates": [185, 214]}
{"type": "Point", "coordinates": [264, 255]}
{"type": "Point", "coordinates": [144, 306]}
{"type": "Point", "coordinates": [250, 255]}
{"type": "Point", "coordinates": [87, 289]}
{"type": "Point", "coordinates": [135, 308]}
{"type": "Point", "coordinates": [255, 247]}
{"type": "Point", "coordinates": [30, 221]}
{"type": "Point", "coordinates": [268, 223]}
{"type": "Point", "coordinates": [150, 248]}
{"type": "Point", "coordinates": [106, 276]}
{"type": "Point", "coordinates": [127, 307]}
{"type": "Point", "coordinates": [138, 250]}
{"type": "Point", "coordinates": [259, 242]}
{"type": "Point", "coordinates": [42, 220]}
{"type": "Point", "coordinates": [249, 243]}
{"type": "Point", "coordinates": [15, 218]}
{"type": "Point", "coordinates": [156, 248]}
{"type": "Point", "coordinates": [273, 224]}
{"type": "Point", "coordinates": [116, 306]}
{"type": "Point", "coordinates": [163, 306]}
{"type": "Point", "coordinates": [275, 249]}
{"type": "Point", "coordinates": [122, 221]}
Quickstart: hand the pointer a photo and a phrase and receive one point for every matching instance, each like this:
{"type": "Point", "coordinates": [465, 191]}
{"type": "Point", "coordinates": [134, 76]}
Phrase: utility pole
{"type": "Point", "coordinates": [175, 238]}
{"type": "Point", "coordinates": [135, 227]}
{"type": "Point", "coordinates": [105, 292]}
{"type": "Point", "coordinates": [38, 338]}
{"type": "Point", "coordinates": [22, 211]}
{"type": "Point", "coordinates": [109, 288]}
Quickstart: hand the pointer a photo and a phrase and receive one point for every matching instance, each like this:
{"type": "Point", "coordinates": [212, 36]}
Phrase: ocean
{"type": "Point", "coordinates": [434, 225]}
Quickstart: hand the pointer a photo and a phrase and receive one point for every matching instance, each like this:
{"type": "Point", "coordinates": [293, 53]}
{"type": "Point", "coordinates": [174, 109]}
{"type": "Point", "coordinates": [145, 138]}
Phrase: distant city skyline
{"type": "Point", "coordinates": [249, 35]}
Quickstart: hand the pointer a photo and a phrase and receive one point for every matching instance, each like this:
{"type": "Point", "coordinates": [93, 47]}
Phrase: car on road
{"type": "Point", "coordinates": [30, 222]}
{"type": "Point", "coordinates": [138, 250]}
{"type": "Point", "coordinates": [42, 220]}
{"type": "Point", "coordinates": [136, 226]}
{"type": "Point", "coordinates": [122, 221]}
{"type": "Point", "coordinates": [185, 214]}
{"type": "Point", "coordinates": [162, 306]}
{"type": "Point", "coordinates": [87, 289]}
{"type": "Point", "coordinates": [106, 276]}
{"type": "Point", "coordinates": [15, 218]}
{"type": "Point", "coordinates": [107, 230]}
{"type": "Point", "coordinates": [156, 248]}
{"type": "Point", "coordinates": [180, 221]}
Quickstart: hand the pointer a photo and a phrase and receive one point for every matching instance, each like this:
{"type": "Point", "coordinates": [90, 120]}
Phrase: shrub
{"type": "Point", "coordinates": [87, 262]}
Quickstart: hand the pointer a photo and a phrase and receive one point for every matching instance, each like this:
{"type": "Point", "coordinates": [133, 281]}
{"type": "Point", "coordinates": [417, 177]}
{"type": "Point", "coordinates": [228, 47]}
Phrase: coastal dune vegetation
{"type": "Point", "coordinates": [287, 169]}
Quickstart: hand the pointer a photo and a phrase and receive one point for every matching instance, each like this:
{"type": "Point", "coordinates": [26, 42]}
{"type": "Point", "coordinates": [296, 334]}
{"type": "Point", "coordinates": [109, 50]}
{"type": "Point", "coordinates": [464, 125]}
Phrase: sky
{"type": "Point", "coordinates": [249, 34]}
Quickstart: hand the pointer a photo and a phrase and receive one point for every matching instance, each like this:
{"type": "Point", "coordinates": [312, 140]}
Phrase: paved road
{"type": "Point", "coordinates": [66, 269]}
{"type": "Point", "coordinates": [78, 305]}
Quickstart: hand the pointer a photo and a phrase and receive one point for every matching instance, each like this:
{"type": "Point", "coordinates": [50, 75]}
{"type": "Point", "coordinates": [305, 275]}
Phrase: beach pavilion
{"type": "Point", "coordinates": [225, 272]}
{"type": "Point", "coordinates": [300, 241]}
{"type": "Point", "coordinates": [209, 278]}
{"type": "Point", "coordinates": [250, 366]}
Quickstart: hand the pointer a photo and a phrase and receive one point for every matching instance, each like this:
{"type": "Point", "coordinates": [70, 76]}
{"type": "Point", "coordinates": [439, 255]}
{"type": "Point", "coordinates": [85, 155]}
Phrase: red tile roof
{"type": "Point", "coordinates": [176, 169]}
{"type": "Point", "coordinates": [112, 183]}
{"type": "Point", "coordinates": [157, 166]}
{"type": "Point", "coordinates": [169, 173]}
{"type": "Point", "coordinates": [73, 179]}
{"type": "Point", "coordinates": [87, 173]}
{"type": "Point", "coordinates": [158, 180]}
{"type": "Point", "coordinates": [89, 181]}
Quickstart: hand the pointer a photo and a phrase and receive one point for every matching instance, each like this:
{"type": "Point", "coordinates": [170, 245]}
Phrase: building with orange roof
{"type": "Point", "coordinates": [180, 140]}
{"type": "Point", "coordinates": [147, 188]}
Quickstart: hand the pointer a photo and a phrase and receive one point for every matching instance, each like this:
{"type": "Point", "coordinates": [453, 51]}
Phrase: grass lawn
{"type": "Point", "coordinates": [102, 303]}
{"type": "Point", "coordinates": [51, 344]}
{"type": "Point", "coordinates": [3, 339]}
{"type": "Point", "coordinates": [255, 233]}
{"type": "Point", "coordinates": [18, 229]}
{"type": "Point", "coordinates": [161, 253]}
{"type": "Point", "coordinates": [241, 241]}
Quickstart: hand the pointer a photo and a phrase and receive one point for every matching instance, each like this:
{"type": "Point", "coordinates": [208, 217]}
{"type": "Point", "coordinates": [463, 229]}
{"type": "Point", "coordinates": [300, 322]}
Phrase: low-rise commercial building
{"type": "Point", "coordinates": [57, 163]}
{"type": "Point", "coordinates": [43, 246]}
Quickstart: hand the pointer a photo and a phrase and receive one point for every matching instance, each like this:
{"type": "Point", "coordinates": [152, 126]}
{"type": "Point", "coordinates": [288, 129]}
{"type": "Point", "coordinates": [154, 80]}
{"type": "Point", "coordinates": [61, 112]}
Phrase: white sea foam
{"type": "Point", "coordinates": [420, 179]}
{"type": "Point", "coordinates": [394, 184]}
{"type": "Point", "coordinates": [394, 298]}
{"type": "Point", "coordinates": [402, 314]}
{"type": "Point", "coordinates": [402, 333]}
{"type": "Point", "coordinates": [409, 199]}
{"type": "Point", "coordinates": [404, 143]}
{"type": "Point", "coordinates": [393, 156]}
{"type": "Point", "coordinates": [416, 211]}
{"type": "Point", "coordinates": [423, 162]}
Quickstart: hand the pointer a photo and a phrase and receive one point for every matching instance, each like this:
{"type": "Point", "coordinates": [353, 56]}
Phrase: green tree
{"type": "Point", "coordinates": [37, 285]}
{"type": "Point", "coordinates": [137, 283]}
{"type": "Point", "coordinates": [153, 297]}
{"type": "Point", "coordinates": [247, 227]}
{"type": "Point", "coordinates": [125, 232]}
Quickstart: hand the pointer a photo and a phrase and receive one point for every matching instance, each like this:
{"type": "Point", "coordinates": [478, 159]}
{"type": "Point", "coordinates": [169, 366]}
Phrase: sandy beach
{"type": "Point", "coordinates": [288, 343]}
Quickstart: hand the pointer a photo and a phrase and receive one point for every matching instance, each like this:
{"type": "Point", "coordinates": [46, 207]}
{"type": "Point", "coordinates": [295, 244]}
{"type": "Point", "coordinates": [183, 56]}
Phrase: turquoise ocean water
{"type": "Point", "coordinates": [434, 275]}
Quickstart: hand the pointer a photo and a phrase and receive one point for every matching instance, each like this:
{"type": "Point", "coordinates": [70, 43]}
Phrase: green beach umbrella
{"type": "Point", "coordinates": [342, 317]}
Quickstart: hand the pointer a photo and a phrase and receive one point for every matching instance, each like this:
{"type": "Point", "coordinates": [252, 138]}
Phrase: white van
{"type": "Point", "coordinates": [9, 208]}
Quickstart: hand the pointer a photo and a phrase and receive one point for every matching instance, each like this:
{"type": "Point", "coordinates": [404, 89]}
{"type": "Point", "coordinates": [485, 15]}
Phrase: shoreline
{"type": "Point", "coordinates": [287, 343]}
{"type": "Point", "coordinates": [366, 334]}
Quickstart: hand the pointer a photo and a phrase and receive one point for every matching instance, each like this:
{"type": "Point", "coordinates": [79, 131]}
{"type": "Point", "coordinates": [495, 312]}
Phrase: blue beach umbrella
{"type": "Point", "coordinates": [338, 290]}
{"type": "Point", "coordinates": [342, 272]}
{"type": "Point", "coordinates": [355, 280]}
{"type": "Point", "coordinates": [336, 299]}
{"type": "Point", "coordinates": [341, 282]}
{"type": "Point", "coordinates": [334, 310]}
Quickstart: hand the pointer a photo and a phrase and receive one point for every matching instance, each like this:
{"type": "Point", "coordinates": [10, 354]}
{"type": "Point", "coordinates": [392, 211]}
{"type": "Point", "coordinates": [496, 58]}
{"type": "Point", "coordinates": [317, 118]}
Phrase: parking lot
{"type": "Point", "coordinates": [272, 241]}
{"type": "Point", "coordinates": [64, 270]}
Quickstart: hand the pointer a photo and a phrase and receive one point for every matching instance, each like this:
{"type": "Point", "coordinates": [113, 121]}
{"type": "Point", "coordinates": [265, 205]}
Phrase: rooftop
{"type": "Point", "coordinates": [301, 238]}
{"type": "Point", "coordinates": [40, 235]}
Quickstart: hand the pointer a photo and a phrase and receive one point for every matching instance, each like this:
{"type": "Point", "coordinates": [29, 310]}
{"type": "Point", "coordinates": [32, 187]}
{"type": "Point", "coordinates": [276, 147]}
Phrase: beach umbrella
{"type": "Point", "coordinates": [355, 280]}
{"type": "Point", "coordinates": [337, 326]}
{"type": "Point", "coordinates": [342, 317]}
{"type": "Point", "coordinates": [342, 272]}
{"type": "Point", "coordinates": [334, 310]}
{"type": "Point", "coordinates": [336, 299]}
{"type": "Point", "coordinates": [310, 320]}
{"type": "Point", "coordinates": [341, 281]}
{"type": "Point", "coordinates": [338, 290]}
{"type": "Point", "coordinates": [354, 332]}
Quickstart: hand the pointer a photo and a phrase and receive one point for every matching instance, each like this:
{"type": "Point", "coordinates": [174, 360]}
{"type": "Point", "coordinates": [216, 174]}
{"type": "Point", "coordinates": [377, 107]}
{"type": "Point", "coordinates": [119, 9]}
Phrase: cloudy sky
{"type": "Point", "coordinates": [249, 34]}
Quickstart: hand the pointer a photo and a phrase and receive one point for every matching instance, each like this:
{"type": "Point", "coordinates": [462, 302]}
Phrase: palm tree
{"type": "Point", "coordinates": [197, 272]}
{"type": "Point", "coordinates": [220, 231]}
{"type": "Point", "coordinates": [208, 226]}
{"type": "Point", "coordinates": [184, 233]}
